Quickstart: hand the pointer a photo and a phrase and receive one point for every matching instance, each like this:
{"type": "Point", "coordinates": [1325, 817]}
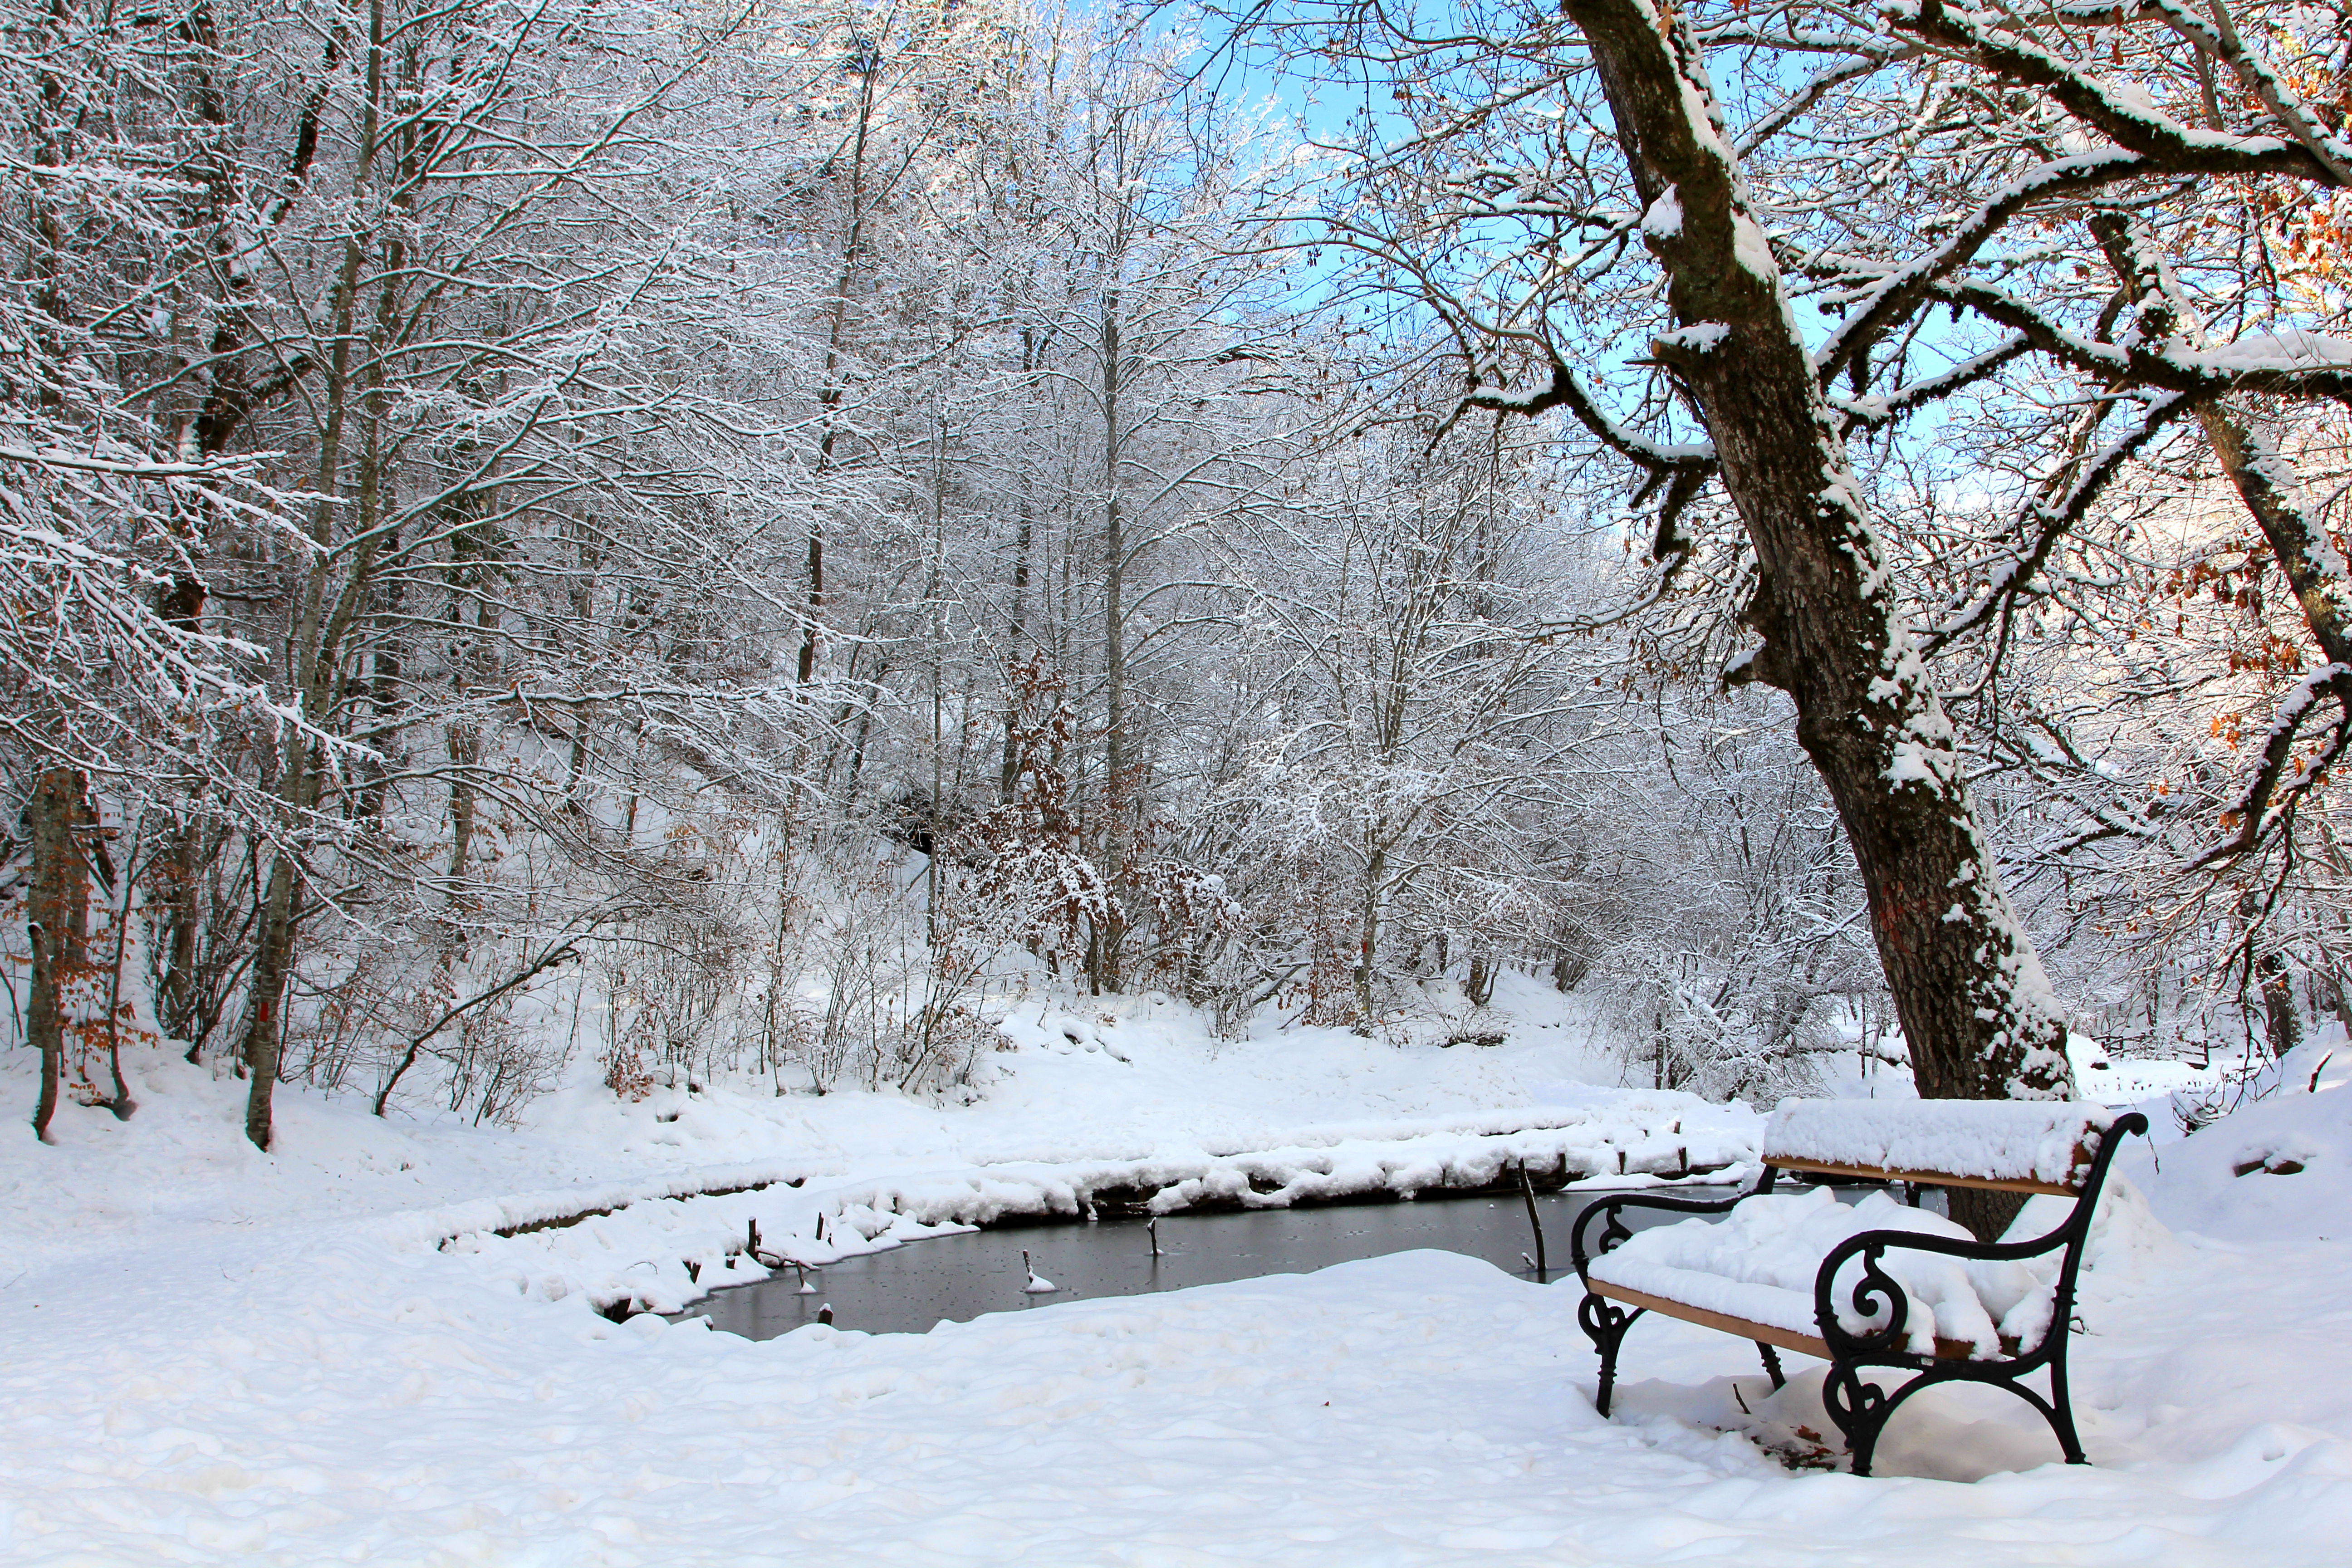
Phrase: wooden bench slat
{"type": "Point", "coordinates": [1924, 1178]}
{"type": "Point", "coordinates": [1787, 1338]}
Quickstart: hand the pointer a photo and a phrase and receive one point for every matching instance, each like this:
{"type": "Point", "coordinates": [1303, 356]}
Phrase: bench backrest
{"type": "Point", "coordinates": [2017, 1145]}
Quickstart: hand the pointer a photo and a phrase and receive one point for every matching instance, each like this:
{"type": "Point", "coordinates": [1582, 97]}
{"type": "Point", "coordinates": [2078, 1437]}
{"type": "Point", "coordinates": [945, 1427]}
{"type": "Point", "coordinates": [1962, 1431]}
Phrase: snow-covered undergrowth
{"type": "Point", "coordinates": [645, 1207]}
{"type": "Point", "coordinates": [328, 1353]}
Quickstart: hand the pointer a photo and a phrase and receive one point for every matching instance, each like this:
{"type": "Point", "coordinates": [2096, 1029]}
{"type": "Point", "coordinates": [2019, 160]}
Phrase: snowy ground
{"type": "Point", "coordinates": [321, 1356]}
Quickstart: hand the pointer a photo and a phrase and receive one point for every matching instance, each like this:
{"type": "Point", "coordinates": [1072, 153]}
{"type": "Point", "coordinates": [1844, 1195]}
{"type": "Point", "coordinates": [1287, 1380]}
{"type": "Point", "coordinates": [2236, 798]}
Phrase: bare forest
{"type": "Point", "coordinates": [561, 539]}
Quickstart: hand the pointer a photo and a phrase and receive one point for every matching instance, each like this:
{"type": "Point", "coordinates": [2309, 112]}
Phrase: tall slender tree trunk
{"type": "Point", "coordinates": [1978, 1013]}
{"type": "Point", "coordinates": [835, 389]}
{"type": "Point", "coordinates": [1009, 763]}
{"type": "Point", "coordinates": [1116, 783]}
{"type": "Point", "coordinates": [264, 1030]}
{"type": "Point", "coordinates": [53, 917]}
{"type": "Point", "coordinates": [464, 744]}
{"type": "Point", "coordinates": [121, 1103]}
{"type": "Point", "coordinates": [2267, 483]}
{"type": "Point", "coordinates": [382, 695]}
{"type": "Point", "coordinates": [321, 623]}
{"type": "Point", "coordinates": [49, 916]}
{"type": "Point", "coordinates": [1367, 938]}
{"type": "Point", "coordinates": [177, 869]}
{"type": "Point", "coordinates": [1017, 621]}
{"type": "Point", "coordinates": [934, 573]}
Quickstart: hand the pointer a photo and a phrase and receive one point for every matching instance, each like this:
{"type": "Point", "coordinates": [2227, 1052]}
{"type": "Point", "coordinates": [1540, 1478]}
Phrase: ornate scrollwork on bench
{"type": "Point", "coordinates": [1874, 1292]}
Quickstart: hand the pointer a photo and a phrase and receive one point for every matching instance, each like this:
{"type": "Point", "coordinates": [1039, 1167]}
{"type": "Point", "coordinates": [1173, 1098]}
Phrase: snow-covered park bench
{"type": "Point", "coordinates": [1874, 1284]}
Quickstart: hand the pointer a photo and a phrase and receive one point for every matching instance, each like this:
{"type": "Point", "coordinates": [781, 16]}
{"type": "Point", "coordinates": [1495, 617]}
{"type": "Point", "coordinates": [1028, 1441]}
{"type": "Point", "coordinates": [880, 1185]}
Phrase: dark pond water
{"type": "Point", "coordinates": [957, 1277]}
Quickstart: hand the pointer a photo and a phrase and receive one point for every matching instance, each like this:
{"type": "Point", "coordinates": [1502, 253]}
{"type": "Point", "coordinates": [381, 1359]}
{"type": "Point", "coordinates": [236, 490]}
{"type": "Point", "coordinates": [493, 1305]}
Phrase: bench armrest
{"type": "Point", "coordinates": [1613, 1231]}
{"type": "Point", "coordinates": [1876, 1291]}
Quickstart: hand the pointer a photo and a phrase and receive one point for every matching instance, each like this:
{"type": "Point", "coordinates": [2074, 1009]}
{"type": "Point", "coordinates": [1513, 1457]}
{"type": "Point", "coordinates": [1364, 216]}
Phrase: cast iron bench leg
{"type": "Point", "coordinates": [1772, 1365]}
{"type": "Point", "coordinates": [1604, 1323]}
{"type": "Point", "coordinates": [2062, 1408]}
{"type": "Point", "coordinates": [1860, 1409]}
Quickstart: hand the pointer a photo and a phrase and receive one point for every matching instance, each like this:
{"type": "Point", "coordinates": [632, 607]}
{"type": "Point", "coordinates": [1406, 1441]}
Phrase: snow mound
{"type": "Point", "coordinates": [1062, 1033]}
{"type": "Point", "coordinates": [2279, 1169]}
{"type": "Point", "coordinates": [2126, 1236]}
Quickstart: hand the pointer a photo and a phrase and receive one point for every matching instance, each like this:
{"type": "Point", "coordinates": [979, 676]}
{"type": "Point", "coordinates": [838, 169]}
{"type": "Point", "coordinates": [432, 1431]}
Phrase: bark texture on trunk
{"type": "Point", "coordinates": [1976, 1008]}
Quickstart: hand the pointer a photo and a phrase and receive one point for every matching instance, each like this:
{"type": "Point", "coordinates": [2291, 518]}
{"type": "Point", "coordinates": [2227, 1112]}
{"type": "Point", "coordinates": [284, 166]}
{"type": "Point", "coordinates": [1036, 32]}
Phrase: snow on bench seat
{"type": "Point", "coordinates": [1758, 1266]}
{"type": "Point", "coordinates": [2040, 1146]}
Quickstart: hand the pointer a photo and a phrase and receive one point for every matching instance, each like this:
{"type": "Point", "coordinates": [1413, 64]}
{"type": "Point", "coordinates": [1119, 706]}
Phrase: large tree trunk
{"type": "Point", "coordinates": [1978, 1012]}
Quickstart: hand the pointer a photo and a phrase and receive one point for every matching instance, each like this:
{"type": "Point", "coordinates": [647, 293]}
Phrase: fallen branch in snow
{"type": "Point", "coordinates": [559, 1211]}
{"type": "Point", "coordinates": [564, 949]}
{"type": "Point", "coordinates": [564, 1222]}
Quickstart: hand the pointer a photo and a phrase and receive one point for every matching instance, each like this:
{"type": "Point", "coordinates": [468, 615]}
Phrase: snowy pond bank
{"type": "Point", "coordinates": [655, 1246]}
